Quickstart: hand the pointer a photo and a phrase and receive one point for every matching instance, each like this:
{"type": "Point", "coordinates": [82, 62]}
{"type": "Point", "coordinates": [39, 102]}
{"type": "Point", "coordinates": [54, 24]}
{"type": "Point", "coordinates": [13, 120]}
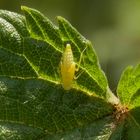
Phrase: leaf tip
{"type": "Point", "coordinates": [59, 18]}
{"type": "Point", "coordinates": [24, 7]}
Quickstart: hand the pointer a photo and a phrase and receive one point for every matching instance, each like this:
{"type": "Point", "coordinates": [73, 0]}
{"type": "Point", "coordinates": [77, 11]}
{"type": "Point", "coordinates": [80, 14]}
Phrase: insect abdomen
{"type": "Point", "coordinates": [67, 68]}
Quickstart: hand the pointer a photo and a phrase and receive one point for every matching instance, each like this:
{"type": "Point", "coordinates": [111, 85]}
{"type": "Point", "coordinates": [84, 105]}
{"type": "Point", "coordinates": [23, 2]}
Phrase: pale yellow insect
{"type": "Point", "coordinates": [68, 67]}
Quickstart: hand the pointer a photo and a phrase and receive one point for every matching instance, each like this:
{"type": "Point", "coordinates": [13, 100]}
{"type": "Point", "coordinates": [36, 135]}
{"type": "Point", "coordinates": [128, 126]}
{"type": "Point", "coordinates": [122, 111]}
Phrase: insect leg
{"type": "Point", "coordinates": [81, 55]}
{"type": "Point", "coordinates": [79, 74]}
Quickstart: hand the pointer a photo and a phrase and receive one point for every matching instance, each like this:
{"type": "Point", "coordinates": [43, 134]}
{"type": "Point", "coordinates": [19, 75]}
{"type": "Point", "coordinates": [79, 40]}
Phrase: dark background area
{"type": "Point", "coordinates": [112, 26]}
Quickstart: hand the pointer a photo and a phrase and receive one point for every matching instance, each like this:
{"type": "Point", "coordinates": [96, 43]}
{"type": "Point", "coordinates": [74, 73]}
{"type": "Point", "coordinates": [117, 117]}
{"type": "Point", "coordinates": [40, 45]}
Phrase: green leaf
{"type": "Point", "coordinates": [129, 87]}
{"type": "Point", "coordinates": [32, 98]}
{"type": "Point", "coordinates": [92, 79]}
{"type": "Point", "coordinates": [129, 94]}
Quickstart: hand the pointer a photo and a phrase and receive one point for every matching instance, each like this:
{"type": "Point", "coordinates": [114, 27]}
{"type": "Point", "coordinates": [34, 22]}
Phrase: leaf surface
{"type": "Point", "coordinates": [32, 98]}
{"type": "Point", "coordinates": [129, 93]}
{"type": "Point", "coordinates": [92, 78]}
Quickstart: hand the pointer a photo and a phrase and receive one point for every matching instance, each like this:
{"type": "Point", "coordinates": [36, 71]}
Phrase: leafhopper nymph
{"type": "Point", "coordinates": [68, 67]}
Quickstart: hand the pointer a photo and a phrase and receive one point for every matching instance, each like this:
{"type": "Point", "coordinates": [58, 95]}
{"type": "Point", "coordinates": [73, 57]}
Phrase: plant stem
{"type": "Point", "coordinates": [111, 98]}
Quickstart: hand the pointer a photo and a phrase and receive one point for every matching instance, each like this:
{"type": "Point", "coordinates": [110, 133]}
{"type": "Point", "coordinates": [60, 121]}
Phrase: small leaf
{"type": "Point", "coordinates": [129, 93]}
{"type": "Point", "coordinates": [129, 87]}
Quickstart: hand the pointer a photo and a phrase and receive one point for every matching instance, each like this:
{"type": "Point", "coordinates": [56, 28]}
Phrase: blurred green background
{"type": "Point", "coordinates": [113, 26]}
